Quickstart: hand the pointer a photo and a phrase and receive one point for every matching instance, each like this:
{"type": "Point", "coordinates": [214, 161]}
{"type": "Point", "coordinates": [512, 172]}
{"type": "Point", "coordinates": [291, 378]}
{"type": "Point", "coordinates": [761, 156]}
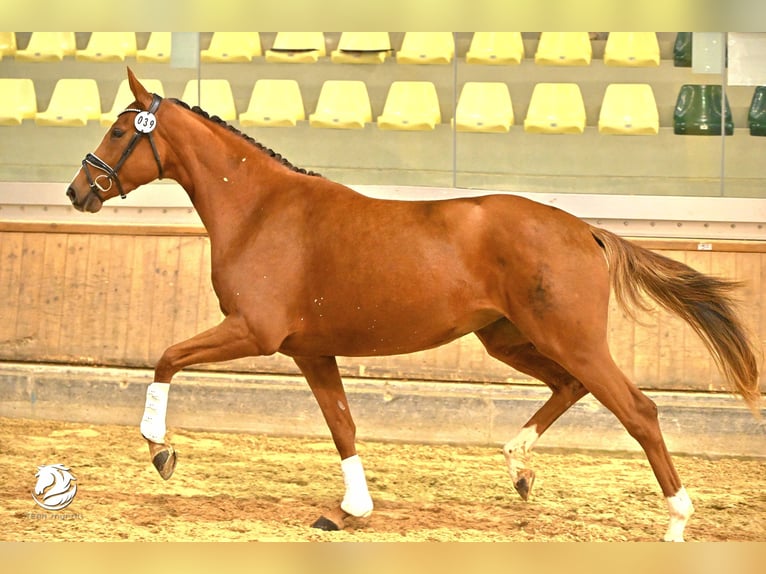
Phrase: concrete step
{"type": "Point", "coordinates": [406, 411]}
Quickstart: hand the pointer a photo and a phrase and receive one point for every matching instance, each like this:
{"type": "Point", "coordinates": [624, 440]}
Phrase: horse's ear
{"type": "Point", "coordinates": [139, 91]}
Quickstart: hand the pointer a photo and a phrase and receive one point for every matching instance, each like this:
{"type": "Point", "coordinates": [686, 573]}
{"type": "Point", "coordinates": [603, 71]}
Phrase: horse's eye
{"type": "Point", "coordinates": [117, 133]}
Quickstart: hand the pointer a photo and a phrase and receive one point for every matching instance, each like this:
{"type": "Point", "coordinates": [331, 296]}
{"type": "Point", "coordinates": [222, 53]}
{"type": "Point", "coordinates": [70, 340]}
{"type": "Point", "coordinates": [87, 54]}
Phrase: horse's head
{"type": "Point", "coordinates": [127, 157]}
{"type": "Point", "coordinates": [46, 476]}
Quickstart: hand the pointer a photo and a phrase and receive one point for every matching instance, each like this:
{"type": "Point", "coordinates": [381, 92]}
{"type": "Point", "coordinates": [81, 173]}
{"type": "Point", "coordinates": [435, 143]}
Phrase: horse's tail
{"type": "Point", "coordinates": [704, 302]}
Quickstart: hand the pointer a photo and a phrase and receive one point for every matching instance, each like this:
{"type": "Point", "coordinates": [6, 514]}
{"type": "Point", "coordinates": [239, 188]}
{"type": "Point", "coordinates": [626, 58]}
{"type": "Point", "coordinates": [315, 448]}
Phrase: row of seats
{"type": "Point", "coordinates": [499, 48]}
{"type": "Point", "coordinates": [628, 109]}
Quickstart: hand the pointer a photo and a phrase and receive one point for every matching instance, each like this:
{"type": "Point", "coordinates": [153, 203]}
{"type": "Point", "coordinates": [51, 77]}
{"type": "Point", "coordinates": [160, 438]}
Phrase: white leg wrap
{"type": "Point", "coordinates": [681, 508]}
{"type": "Point", "coordinates": [153, 422]}
{"type": "Point", "coordinates": [517, 449]}
{"type": "Point", "coordinates": [357, 501]}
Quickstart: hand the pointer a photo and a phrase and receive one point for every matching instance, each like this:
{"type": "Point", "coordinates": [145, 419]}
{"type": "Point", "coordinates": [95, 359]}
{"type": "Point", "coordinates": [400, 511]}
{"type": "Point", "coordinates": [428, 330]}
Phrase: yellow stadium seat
{"type": "Point", "coordinates": [498, 48]}
{"type": "Point", "coordinates": [108, 47]}
{"type": "Point", "coordinates": [555, 109]}
{"type": "Point", "coordinates": [426, 48]}
{"type": "Point", "coordinates": [233, 47]}
{"type": "Point", "coordinates": [7, 43]}
{"type": "Point", "coordinates": [629, 109]}
{"type": "Point", "coordinates": [274, 103]}
{"type": "Point", "coordinates": [564, 49]}
{"type": "Point", "coordinates": [213, 96]}
{"type": "Point", "coordinates": [48, 47]}
{"type": "Point", "coordinates": [297, 47]}
{"type": "Point", "coordinates": [410, 106]}
{"type": "Point", "coordinates": [343, 104]}
{"type": "Point", "coordinates": [362, 48]}
{"type": "Point", "coordinates": [632, 49]}
{"type": "Point", "coordinates": [18, 101]}
{"type": "Point", "coordinates": [157, 48]}
{"type": "Point", "coordinates": [74, 102]}
{"type": "Point", "coordinates": [125, 97]}
{"type": "Point", "coordinates": [484, 107]}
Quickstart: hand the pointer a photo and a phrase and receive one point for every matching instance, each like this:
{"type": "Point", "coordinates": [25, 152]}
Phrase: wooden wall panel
{"type": "Point", "coordinates": [31, 264]}
{"type": "Point", "coordinates": [118, 320]}
{"type": "Point", "coordinates": [10, 284]}
{"type": "Point", "coordinates": [138, 345]}
{"type": "Point", "coordinates": [165, 301]}
{"type": "Point", "coordinates": [121, 299]}
{"type": "Point", "coordinates": [190, 280]}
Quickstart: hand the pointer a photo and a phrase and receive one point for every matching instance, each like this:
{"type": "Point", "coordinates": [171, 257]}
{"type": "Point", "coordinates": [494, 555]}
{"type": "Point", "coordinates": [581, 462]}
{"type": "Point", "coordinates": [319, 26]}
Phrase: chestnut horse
{"type": "Point", "coordinates": [309, 268]}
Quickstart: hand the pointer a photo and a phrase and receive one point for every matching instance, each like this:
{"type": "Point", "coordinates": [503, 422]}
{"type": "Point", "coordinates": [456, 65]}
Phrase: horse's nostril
{"type": "Point", "coordinates": [70, 193]}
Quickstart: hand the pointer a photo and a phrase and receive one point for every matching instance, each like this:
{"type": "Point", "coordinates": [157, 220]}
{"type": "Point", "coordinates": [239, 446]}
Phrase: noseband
{"type": "Point", "coordinates": [144, 124]}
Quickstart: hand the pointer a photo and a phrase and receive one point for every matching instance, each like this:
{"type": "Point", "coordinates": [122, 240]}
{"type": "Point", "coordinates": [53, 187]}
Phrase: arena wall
{"type": "Point", "coordinates": [119, 296]}
{"type": "Point", "coordinates": [88, 303]}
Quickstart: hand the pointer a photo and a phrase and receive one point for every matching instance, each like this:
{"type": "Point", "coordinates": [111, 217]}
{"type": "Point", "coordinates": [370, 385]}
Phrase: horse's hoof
{"type": "Point", "coordinates": [324, 523]}
{"type": "Point", "coordinates": [524, 482]}
{"type": "Point", "coordinates": [332, 520]}
{"type": "Point", "coordinates": [163, 458]}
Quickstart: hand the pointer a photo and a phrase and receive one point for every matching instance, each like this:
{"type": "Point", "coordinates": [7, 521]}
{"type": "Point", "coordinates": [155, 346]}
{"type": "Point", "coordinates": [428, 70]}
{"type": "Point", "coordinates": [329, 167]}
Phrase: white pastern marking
{"type": "Point", "coordinates": [516, 449]}
{"type": "Point", "coordinates": [680, 508]}
{"type": "Point", "coordinates": [357, 500]}
{"type": "Point", "coordinates": [153, 421]}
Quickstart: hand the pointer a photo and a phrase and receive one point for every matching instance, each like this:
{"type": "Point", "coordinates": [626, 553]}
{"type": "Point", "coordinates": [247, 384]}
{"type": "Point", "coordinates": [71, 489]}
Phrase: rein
{"type": "Point", "coordinates": [144, 123]}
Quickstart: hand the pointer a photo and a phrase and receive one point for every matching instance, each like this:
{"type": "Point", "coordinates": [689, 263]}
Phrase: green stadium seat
{"type": "Point", "coordinates": [698, 111]}
{"type": "Point", "coordinates": [756, 117]}
{"type": "Point", "coordinates": [682, 50]}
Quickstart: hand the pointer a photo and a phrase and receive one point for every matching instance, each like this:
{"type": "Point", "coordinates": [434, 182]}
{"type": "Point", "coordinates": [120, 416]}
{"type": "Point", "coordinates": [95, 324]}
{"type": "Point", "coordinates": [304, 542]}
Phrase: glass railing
{"type": "Point", "coordinates": [590, 113]}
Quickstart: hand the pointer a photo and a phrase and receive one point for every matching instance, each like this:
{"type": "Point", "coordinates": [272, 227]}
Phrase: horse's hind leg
{"type": "Point", "coordinates": [638, 414]}
{"type": "Point", "coordinates": [561, 304]}
{"type": "Point", "coordinates": [584, 353]}
{"type": "Point", "coordinates": [324, 379]}
{"type": "Point", "coordinates": [503, 341]}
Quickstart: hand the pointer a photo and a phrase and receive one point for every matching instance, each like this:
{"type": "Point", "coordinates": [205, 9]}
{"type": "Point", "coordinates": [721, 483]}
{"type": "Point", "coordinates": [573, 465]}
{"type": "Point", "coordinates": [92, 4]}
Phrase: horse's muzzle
{"type": "Point", "coordinates": [90, 203]}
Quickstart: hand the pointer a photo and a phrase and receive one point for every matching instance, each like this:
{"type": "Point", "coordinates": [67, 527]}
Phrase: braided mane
{"type": "Point", "coordinates": [270, 152]}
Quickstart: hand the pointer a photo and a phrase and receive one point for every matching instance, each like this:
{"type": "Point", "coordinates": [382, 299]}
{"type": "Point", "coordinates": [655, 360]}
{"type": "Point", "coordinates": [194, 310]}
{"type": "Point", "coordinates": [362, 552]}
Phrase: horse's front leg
{"type": "Point", "coordinates": [228, 340]}
{"type": "Point", "coordinates": [324, 379]}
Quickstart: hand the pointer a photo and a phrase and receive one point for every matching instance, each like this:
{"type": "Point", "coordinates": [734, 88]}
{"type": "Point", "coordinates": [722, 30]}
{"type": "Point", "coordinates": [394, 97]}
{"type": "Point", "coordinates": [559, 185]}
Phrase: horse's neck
{"type": "Point", "coordinates": [225, 184]}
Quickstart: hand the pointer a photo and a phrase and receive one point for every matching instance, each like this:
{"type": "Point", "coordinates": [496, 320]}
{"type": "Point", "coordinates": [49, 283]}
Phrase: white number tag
{"type": "Point", "coordinates": [145, 122]}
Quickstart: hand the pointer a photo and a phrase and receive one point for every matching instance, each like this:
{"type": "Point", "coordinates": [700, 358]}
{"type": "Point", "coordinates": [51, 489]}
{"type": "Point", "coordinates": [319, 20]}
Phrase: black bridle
{"type": "Point", "coordinates": [144, 124]}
